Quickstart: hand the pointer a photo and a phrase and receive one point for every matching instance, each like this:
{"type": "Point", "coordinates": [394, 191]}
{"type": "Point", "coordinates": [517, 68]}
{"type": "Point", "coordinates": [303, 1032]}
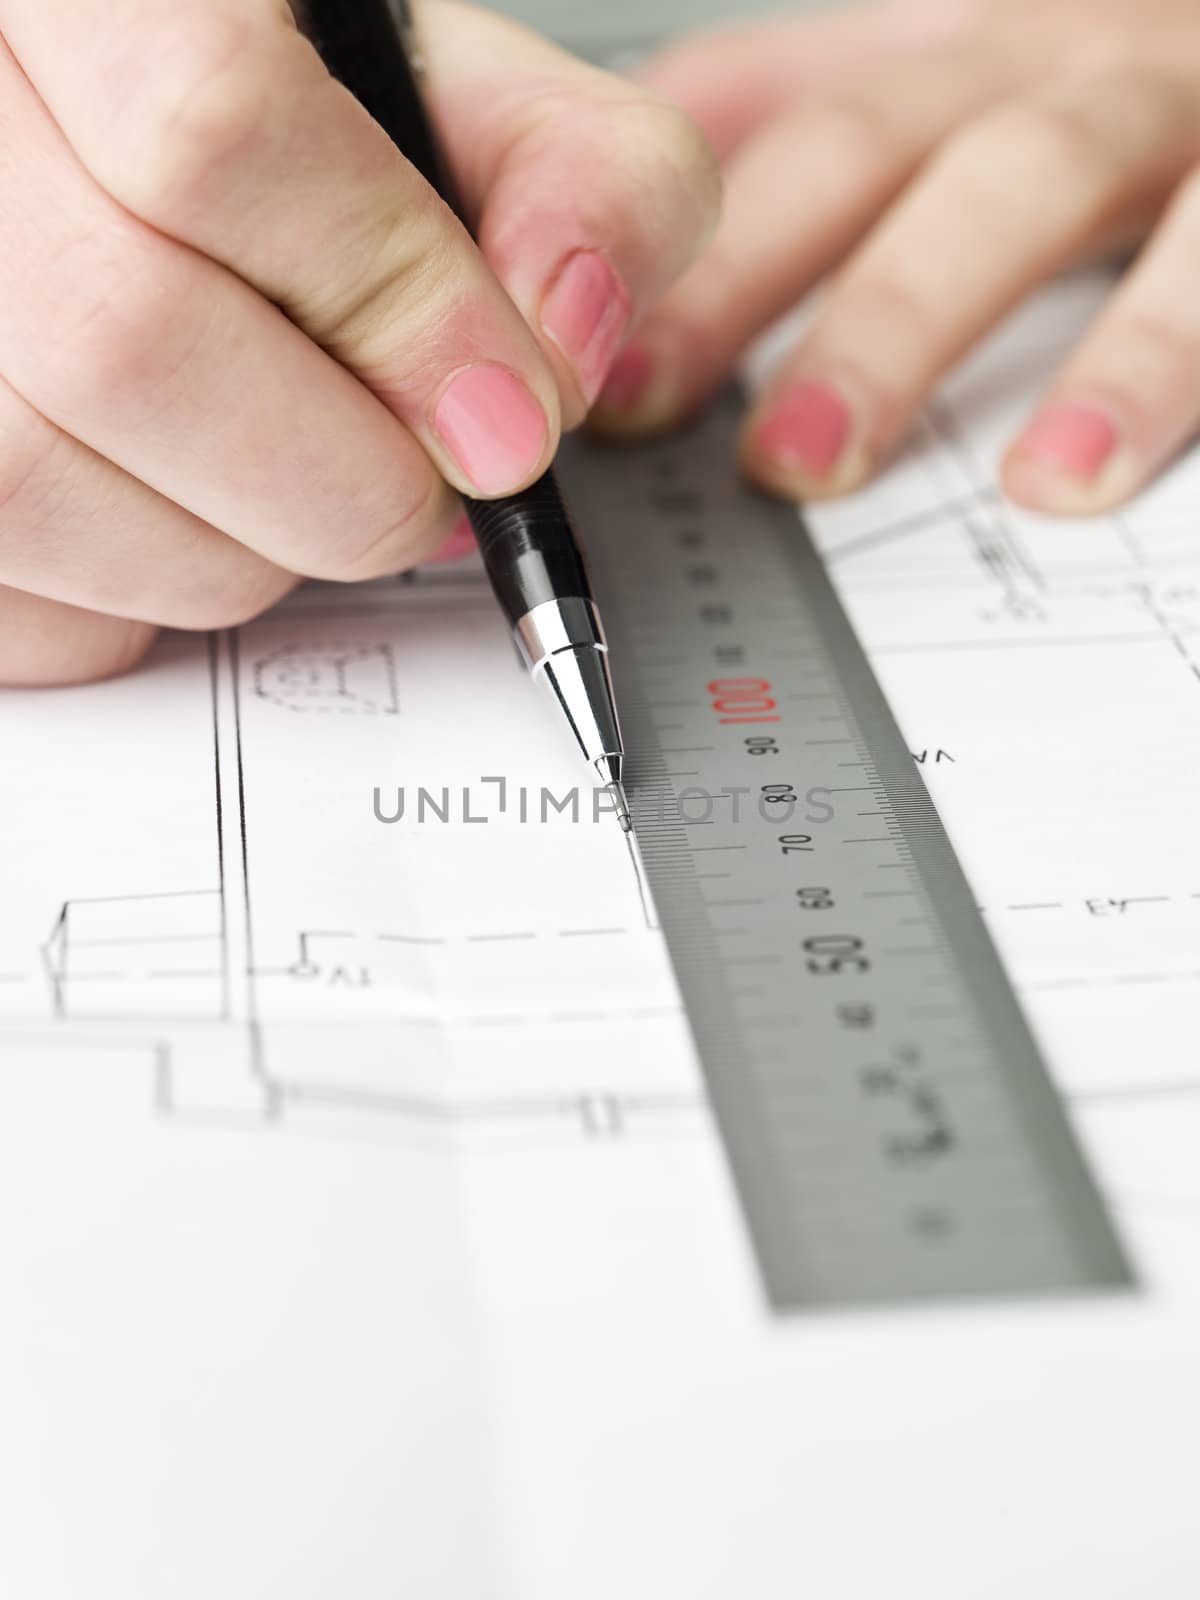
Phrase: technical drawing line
{"type": "Point", "coordinates": [253, 1023]}
{"type": "Point", "coordinates": [213, 646]}
{"type": "Point", "coordinates": [943, 512]}
{"type": "Point", "coordinates": [1128, 538]}
{"type": "Point", "coordinates": [933, 645]}
{"type": "Point", "coordinates": [943, 421]}
{"type": "Point", "coordinates": [151, 894]}
{"type": "Point", "coordinates": [141, 938]}
{"type": "Point", "coordinates": [1171, 633]}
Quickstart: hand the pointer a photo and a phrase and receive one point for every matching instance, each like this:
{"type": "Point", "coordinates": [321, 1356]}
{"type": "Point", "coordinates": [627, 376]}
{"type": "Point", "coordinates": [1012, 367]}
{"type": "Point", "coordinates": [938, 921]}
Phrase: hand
{"type": "Point", "coordinates": [945, 157]}
{"type": "Point", "coordinates": [241, 340]}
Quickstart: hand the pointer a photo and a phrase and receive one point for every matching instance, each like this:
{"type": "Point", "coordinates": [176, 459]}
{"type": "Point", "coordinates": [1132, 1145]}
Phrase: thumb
{"type": "Point", "coordinates": [591, 194]}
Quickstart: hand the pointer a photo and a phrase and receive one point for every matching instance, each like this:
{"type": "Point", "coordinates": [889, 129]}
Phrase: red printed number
{"type": "Point", "coordinates": [742, 699]}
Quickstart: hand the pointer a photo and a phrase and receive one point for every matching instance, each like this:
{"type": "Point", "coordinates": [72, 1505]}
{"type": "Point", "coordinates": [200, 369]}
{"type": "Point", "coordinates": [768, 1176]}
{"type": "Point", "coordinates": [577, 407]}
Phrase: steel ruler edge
{"type": "Point", "coordinates": [896, 1159]}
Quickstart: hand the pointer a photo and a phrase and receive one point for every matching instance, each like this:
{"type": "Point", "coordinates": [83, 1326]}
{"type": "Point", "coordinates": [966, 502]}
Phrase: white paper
{"type": "Point", "coordinates": [363, 1230]}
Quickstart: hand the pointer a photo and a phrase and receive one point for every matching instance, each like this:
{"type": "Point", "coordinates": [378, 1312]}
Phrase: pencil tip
{"type": "Point", "coordinates": [609, 769]}
{"type": "Point", "coordinates": [623, 816]}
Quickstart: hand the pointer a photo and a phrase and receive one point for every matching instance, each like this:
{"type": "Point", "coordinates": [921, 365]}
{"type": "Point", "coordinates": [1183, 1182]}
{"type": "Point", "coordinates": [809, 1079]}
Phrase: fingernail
{"type": "Point", "coordinates": [1074, 439]}
{"type": "Point", "coordinates": [460, 543]}
{"type": "Point", "coordinates": [628, 379]}
{"type": "Point", "coordinates": [804, 429]}
{"type": "Point", "coordinates": [492, 426]}
{"type": "Point", "coordinates": [586, 313]}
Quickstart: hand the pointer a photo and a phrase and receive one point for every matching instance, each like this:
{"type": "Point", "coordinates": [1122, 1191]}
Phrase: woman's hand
{"type": "Point", "coordinates": [945, 156]}
{"type": "Point", "coordinates": [241, 340]}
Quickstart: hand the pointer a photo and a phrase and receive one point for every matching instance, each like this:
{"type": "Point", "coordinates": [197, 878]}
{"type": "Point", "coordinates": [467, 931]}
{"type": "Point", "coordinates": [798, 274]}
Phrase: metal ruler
{"type": "Point", "coordinates": [890, 1124]}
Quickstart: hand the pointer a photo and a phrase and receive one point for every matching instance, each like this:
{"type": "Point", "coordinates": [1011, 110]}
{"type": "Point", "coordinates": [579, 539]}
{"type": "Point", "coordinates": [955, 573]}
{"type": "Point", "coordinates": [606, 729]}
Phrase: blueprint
{"type": "Point", "coordinates": [363, 1228]}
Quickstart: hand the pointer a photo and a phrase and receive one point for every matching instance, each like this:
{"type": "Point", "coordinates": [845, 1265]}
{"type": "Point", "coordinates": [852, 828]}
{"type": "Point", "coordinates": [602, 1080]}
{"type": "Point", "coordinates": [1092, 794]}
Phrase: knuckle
{"type": "Point", "coordinates": [685, 159]}
{"type": "Point", "coordinates": [54, 650]}
{"type": "Point", "coordinates": [1160, 355]}
{"type": "Point", "coordinates": [29, 445]}
{"type": "Point", "coordinates": [377, 552]}
{"type": "Point", "coordinates": [1012, 154]}
{"type": "Point", "coordinates": [876, 308]}
{"type": "Point", "coordinates": [1104, 54]}
{"type": "Point", "coordinates": [116, 649]}
{"type": "Point", "coordinates": [115, 335]}
{"type": "Point", "coordinates": [251, 591]}
{"type": "Point", "coordinates": [403, 296]}
{"type": "Point", "coordinates": [651, 163]}
{"type": "Point", "coordinates": [1121, 118]}
{"type": "Point", "coordinates": [851, 140]}
{"type": "Point", "coordinates": [193, 108]}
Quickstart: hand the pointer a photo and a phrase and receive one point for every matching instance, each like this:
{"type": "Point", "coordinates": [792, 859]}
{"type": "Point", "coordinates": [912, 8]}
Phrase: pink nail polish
{"type": "Point", "coordinates": [1076, 439]}
{"type": "Point", "coordinates": [586, 313]}
{"type": "Point", "coordinates": [460, 543]}
{"type": "Point", "coordinates": [807, 426]}
{"type": "Point", "coordinates": [628, 379]}
{"type": "Point", "coordinates": [492, 426]}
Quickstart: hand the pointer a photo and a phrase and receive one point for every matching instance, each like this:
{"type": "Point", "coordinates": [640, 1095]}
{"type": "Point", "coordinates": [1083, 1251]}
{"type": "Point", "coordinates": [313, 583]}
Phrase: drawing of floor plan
{"type": "Point", "coordinates": [411, 1104]}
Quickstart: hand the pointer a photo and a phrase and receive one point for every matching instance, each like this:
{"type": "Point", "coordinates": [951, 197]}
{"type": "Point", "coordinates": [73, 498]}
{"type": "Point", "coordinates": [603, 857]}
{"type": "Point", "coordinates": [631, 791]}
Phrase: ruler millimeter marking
{"type": "Point", "coordinates": [891, 1127]}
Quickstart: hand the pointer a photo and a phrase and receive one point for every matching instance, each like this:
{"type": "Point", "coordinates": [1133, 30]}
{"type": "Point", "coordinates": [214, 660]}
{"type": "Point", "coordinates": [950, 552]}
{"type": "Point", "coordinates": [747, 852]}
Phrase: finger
{"type": "Point", "coordinates": [1128, 398]}
{"type": "Point", "coordinates": [592, 196]}
{"type": "Point", "coordinates": [736, 78]}
{"type": "Point", "coordinates": [1018, 195]}
{"type": "Point", "coordinates": [44, 643]}
{"type": "Point", "coordinates": [77, 529]}
{"type": "Point", "coordinates": [174, 369]}
{"type": "Point", "coordinates": [460, 543]}
{"type": "Point", "coordinates": [778, 237]}
{"type": "Point", "coordinates": [234, 139]}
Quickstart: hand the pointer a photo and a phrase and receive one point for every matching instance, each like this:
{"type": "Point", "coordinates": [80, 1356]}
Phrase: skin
{"type": "Point", "coordinates": [235, 312]}
{"type": "Point", "coordinates": [930, 163]}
